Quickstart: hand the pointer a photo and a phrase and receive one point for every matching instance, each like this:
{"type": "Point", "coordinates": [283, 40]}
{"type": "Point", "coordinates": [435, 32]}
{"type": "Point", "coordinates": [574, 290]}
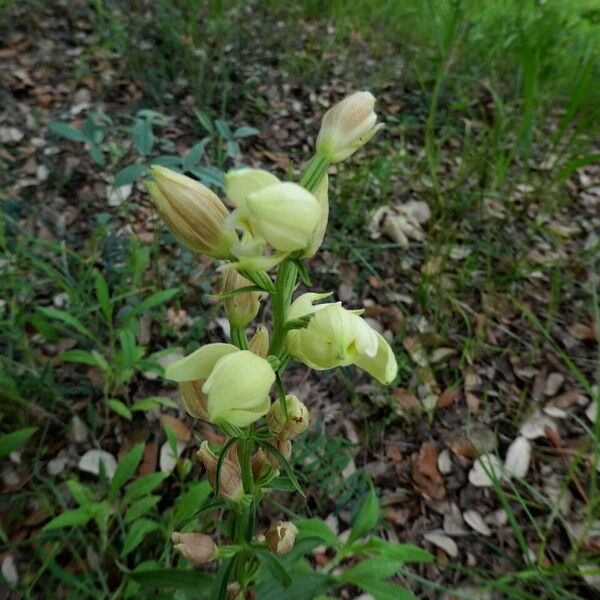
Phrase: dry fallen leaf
{"type": "Point", "coordinates": [476, 522]}
{"type": "Point", "coordinates": [90, 462]}
{"type": "Point", "coordinates": [486, 469]}
{"type": "Point", "coordinates": [168, 460]}
{"type": "Point", "coordinates": [425, 473]}
{"type": "Point", "coordinates": [447, 544]}
{"type": "Point", "coordinates": [518, 457]}
{"type": "Point", "coordinates": [535, 425]}
{"type": "Point", "coordinates": [178, 427]}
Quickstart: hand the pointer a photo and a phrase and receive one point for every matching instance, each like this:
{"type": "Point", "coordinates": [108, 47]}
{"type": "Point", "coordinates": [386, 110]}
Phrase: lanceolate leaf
{"type": "Point", "coordinates": [285, 464]}
{"type": "Point", "coordinates": [367, 517]}
{"type": "Point", "coordinates": [13, 441]}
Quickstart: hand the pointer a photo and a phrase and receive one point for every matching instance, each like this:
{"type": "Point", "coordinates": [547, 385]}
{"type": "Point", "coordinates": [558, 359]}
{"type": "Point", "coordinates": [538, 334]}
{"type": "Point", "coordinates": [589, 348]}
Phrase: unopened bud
{"type": "Point", "coordinates": [281, 536]}
{"type": "Point", "coordinates": [259, 342]}
{"type": "Point", "coordinates": [198, 548]}
{"type": "Point", "coordinates": [230, 480]}
{"type": "Point", "coordinates": [193, 399]}
{"type": "Point", "coordinates": [241, 308]}
{"type": "Point", "coordinates": [347, 126]}
{"type": "Point", "coordinates": [296, 422]}
{"type": "Point", "coordinates": [193, 214]}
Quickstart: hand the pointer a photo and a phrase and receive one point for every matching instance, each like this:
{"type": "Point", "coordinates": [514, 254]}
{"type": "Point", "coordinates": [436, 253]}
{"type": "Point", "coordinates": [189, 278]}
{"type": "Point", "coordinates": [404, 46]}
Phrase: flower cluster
{"type": "Point", "coordinates": [274, 224]}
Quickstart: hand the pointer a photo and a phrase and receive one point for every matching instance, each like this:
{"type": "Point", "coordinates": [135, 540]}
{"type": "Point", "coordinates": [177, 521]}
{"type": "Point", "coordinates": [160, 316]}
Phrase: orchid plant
{"type": "Point", "coordinates": [274, 228]}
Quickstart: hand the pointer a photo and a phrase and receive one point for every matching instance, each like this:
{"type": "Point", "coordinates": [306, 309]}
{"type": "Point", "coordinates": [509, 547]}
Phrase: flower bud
{"type": "Point", "coordinates": [230, 480]}
{"type": "Point", "coordinates": [193, 214]}
{"type": "Point", "coordinates": [194, 401]}
{"type": "Point", "coordinates": [240, 309]}
{"type": "Point", "coordinates": [296, 422]}
{"type": "Point", "coordinates": [281, 536]}
{"type": "Point", "coordinates": [198, 548]}
{"type": "Point", "coordinates": [348, 126]}
{"type": "Point", "coordinates": [259, 342]}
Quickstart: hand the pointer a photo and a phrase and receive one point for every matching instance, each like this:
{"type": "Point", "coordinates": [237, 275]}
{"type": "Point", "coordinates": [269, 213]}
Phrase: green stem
{"type": "Point", "coordinates": [280, 302]}
{"type": "Point", "coordinates": [314, 172]}
{"type": "Point", "coordinates": [238, 337]}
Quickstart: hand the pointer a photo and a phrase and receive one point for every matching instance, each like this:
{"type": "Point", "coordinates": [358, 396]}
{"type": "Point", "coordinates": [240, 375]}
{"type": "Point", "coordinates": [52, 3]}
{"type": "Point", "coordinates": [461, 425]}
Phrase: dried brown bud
{"type": "Point", "coordinates": [242, 308]}
{"type": "Point", "coordinates": [281, 537]}
{"type": "Point", "coordinates": [259, 342]}
{"type": "Point", "coordinates": [296, 422]}
{"type": "Point", "coordinates": [285, 449]}
{"type": "Point", "coordinates": [198, 548]}
{"type": "Point", "coordinates": [230, 481]}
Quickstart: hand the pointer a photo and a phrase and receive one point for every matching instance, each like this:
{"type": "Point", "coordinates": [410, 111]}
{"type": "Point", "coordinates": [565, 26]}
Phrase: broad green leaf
{"type": "Point", "coordinates": [219, 585]}
{"type": "Point", "coordinates": [223, 128]}
{"type": "Point", "coordinates": [161, 297]}
{"type": "Point", "coordinates": [69, 518]}
{"type": "Point", "coordinates": [102, 295]}
{"type": "Point", "coordinates": [153, 402]}
{"type": "Point", "coordinates": [306, 585]}
{"type": "Point", "coordinates": [204, 120]}
{"type": "Point", "coordinates": [68, 132]}
{"type": "Point", "coordinates": [191, 580]}
{"type": "Point", "coordinates": [195, 154]}
{"type": "Point", "coordinates": [245, 131]}
{"type": "Point", "coordinates": [317, 528]}
{"type": "Point", "coordinates": [120, 408]}
{"type": "Point", "coordinates": [97, 155]}
{"type": "Point", "coordinates": [126, 469]}
{"type": "Point", "coordinates": [190, 502]}
{"type": "Point", "coordinates": [403, 552]}
{"type": "Point", "coordinates": [233, 149]}
{"type": "Point", "coordinates": [65, 317]}
{"type": "Point", "coordinates": [143, 485]}
{"type": "Point", "coordinates": [209, 176]}
{"type": "Point", "coordinates": [129, 174]}
{"type": "Point", "coordinates": [167, 160]}
{"type": "Point", "coordinates": [136, 534]}
{"type": "Point", "coordinates": [140, 507]}
{"type": "Point", "coordinates": [14, 440]}
{"type": "Point", "coordinates": [275, 567]}
{"type": "Point", "coordinates": [142, 135]}
{"type": "Point", "coordinates": [369, 569]}
{"type": "Point", "coordinates": [367, 517]}
{"type": "Point", "coordinates": [384, 590]}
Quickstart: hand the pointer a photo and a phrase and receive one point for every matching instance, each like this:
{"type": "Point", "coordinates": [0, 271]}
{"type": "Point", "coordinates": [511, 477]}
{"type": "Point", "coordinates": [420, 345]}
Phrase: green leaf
{"type": "Point", "coordinates": [245, 131]}
{"type": "Point", "coordinates": [140, 507]}
{"type": "Point", "coordinates": [142, 135]}
{"type": "Point", "coordinates": [285, 464]}
{"type": "Point", "coordinates": [166, 160]}
{"type": "Point", "coordinates": [129, 174]}
{"type": "Point", "coordinates": [68, 132]}
{"type": "Point", "coordinates": [317, 528]}
{"type": "Point", "coordinates": [143, 485]}
{"type": "Point", "coordinates": [209, 176]}
{"type": "Point", "coordinates": [404, 552]}
{"type": "Point", "coordinates": [223, 128]}
{"type": "Point", "coordinates": [14, 440]}
{"type": "Point", "coordinates": [233, 149]}
{"type": "Point", "coordinates": [219, 586]}
{"type": "Point", "coordinates": [306, 585]}
{"type": "Point", "coordinates": [204, 120]}
{"type": "Point", "coordinates": [367, 517]}
{"type": "Point", "coordinates": [84, 357]}
{"type": "Point", "coordinates": [120, 408]}
{"type": "Point", "coordinates": [384, 590]}
{"type": "Point", "coordinates": [369, 569]}
{"type": "Point", "coordinates": [69, 518]}
{"type": "Point", "coordinates": [189, 503]}
{"type": "Point", "coordinates": [82, 494]}
{"type": "Point", "coordinates": [65, 317]}
{"type": "Point", "coordinates": [128, 347]}
{"type": "Point", "coordinates": [195, 154]}
{"type": "Point", "coordinates": [191, 580]}
{"type": "Point", "coordinates": [136, 534]}
{"type": "Point", "coordinates": [97, 155]}
{"type": "Point", "coordinates": [274, 566]}
{"type": "Point", "coordinates": [102, 295]}
{"type": "Point", "coordinates": [153, 402]}
{"type": "Point", "coordinates": [126, 469]}
{"type": "Point", "coordinates": [161, 297]}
